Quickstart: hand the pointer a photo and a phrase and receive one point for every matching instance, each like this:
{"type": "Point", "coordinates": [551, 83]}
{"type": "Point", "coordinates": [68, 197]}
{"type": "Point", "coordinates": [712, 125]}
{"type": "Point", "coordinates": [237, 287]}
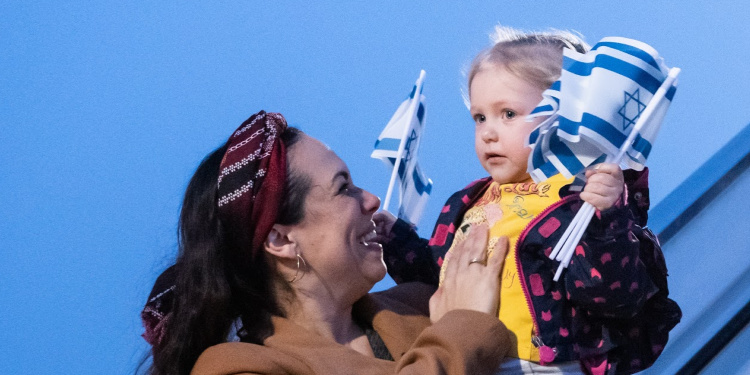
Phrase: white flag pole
{"type": "Point", "coordinates": [402, 145]}
{"type": "Point", "coordinates": [571, 238]}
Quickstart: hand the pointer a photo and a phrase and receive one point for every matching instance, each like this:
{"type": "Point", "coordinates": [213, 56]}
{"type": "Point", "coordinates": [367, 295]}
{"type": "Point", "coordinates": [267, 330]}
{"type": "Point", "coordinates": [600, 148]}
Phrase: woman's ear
{"type": "Point", "coordinates": [278, 244]}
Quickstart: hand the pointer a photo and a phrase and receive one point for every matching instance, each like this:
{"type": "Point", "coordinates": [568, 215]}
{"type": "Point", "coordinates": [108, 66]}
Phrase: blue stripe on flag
{"type": "Point", "coordinates": [534, 136]}
{"type": "Point", "coordinates": [642, 145]}
{"type": "Point", "coordinates": [630, 50]}
{"type": "Point", "coordinates": [670, 93]}
{"type": "Point", "coordinates": [595, 124]}
{"type": "Point", "coordinates": [413, 91]}
{"type": "Point", "coordinates": [615, 65]}
{"type": "Point", "coordinates": [543, 108]}
{"type": "Point", "coordinates": [555, 86]}
{"type": "Point", "coordinates": [566, 156]}
{"type": "Point", "coordinates": [420, 113]}
{"type": "Point", "coordinates": [548, 169]}
{"type": "Point", "coordinates": [420, 185]}
{"type": "Point", "coordinates": [537, 157]}
{"type": "Point", "coordinates": [391, 144]}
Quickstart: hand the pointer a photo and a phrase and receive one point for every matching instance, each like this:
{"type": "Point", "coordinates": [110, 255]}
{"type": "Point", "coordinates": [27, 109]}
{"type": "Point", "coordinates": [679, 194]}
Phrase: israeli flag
{"type": "Point", "coordinates": [397, 146]}
{"type": "Point", "coordinates": [595, 106]}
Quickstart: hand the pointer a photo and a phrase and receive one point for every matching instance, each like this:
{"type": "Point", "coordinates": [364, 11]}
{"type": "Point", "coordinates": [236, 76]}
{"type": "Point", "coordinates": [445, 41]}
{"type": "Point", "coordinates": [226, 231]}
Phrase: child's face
{"type": "Point", "coordinates": [500, 102]}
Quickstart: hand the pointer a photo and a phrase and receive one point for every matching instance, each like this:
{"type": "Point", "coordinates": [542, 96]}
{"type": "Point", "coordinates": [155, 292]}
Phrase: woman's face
{"type": "Point", "coordinates": [334, 235]}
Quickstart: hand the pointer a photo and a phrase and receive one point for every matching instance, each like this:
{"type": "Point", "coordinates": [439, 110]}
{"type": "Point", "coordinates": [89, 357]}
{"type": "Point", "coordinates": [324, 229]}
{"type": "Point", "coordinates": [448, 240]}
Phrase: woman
{"type": "Point", "coordinates": [277, 251]}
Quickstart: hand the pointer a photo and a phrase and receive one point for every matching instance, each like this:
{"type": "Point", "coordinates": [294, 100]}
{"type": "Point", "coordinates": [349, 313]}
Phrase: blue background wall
{"type": "Point", "coordinates": [107, 107]}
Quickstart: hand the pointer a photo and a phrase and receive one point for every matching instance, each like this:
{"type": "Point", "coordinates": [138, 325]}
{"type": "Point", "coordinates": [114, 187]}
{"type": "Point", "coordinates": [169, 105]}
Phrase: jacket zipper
{"type": "Point", "coordinates": [536, 339]}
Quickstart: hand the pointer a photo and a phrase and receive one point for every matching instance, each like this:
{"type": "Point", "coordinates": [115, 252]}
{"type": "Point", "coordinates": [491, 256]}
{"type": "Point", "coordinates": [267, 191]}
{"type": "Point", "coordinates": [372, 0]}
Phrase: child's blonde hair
{"type": "Point", "coordinates": [533, 56]}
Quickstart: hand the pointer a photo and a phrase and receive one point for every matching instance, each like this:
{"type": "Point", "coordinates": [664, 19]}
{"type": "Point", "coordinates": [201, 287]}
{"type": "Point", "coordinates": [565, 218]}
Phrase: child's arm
{"type": "Point", "coordinates": [608, 276]}
{"type": "Point", "coordinates": [407, 256]}
{"type": "Point", "coordinates": [410, 258]}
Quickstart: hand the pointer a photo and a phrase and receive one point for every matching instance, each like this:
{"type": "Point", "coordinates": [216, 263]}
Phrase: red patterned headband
{"type": "Point", "coordinates": [252, 178]}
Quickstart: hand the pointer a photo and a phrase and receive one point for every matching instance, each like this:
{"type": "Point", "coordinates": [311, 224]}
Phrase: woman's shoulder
{"type": "Point", "coordinates": [244, 358]}
{"type": "Point", "coordinates": [228, 358]}
{"type": "Point", "coordinates": [413, 296]}
{"type": "Point", "coordinates": [402, 311]}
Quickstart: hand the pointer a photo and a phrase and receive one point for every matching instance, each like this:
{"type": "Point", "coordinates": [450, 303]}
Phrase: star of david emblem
{"type": "Point", "coordinates": [632, 108]}
{"type": "Point", "coordinates": [407, 147]}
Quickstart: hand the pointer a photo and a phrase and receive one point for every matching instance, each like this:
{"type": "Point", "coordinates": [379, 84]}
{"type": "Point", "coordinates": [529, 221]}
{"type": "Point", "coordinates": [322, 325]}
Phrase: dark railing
{"type": "Point", "coordinates": [716, 344]}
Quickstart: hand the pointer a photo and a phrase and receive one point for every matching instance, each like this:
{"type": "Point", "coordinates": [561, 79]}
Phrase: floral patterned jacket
{"type": "Point", "coordinates": [610, 309]}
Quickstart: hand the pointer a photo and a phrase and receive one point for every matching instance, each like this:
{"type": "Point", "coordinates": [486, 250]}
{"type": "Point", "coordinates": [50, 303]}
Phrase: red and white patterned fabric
{"type": "Point", "coordinates": [252, 177]}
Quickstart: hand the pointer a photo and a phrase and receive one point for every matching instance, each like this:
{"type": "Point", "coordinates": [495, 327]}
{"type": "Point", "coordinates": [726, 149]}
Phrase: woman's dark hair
{"type": "Point", "coordinates": [218, 280]}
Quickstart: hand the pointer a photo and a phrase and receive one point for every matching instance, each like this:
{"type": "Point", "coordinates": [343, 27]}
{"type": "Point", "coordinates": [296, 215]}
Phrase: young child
{"type": "Point", "coordinates": [609, 313]}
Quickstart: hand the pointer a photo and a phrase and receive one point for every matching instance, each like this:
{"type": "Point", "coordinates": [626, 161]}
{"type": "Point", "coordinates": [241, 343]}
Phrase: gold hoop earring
{"type": "Point", "coordinates": [299, 257]}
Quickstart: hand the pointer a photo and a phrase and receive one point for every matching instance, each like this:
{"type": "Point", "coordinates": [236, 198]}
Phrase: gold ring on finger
{"type": "Point", "coordinates": [477, 260]}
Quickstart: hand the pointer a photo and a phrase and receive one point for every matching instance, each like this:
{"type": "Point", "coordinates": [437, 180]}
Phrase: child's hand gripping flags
{"type": "Point", "coordinates": [608, 106]}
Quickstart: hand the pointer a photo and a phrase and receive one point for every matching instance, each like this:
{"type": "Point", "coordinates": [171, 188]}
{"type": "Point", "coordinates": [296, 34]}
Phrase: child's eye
{"type": "Point", "coordinates": [479, 118]}
{"type": "Point", "coordinates": [509, 114]}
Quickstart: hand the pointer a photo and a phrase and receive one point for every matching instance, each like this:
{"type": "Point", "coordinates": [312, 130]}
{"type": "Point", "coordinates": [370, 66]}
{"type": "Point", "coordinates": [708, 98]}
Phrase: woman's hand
{"type": "Point", "coordinates": [472, 281]}
{"type": "Point", "coordinates": [384, 222]}
{"type": "Point", "coordinates": [604, 186]}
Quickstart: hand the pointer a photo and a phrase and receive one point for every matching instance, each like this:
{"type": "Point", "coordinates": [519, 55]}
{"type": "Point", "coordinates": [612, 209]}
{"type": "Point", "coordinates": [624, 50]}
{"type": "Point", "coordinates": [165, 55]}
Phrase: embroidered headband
{"type": "Point", "coordinates": [252, 178]}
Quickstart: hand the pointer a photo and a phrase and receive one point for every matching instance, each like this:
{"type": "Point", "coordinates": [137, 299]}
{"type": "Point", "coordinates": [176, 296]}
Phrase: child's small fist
{"type": "Point", "coordinates": [384, 222]}
{"type": "Point", "coordinates": [604, 186]}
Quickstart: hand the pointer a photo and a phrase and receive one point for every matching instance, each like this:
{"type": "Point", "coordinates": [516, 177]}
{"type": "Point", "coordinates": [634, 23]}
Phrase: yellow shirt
{"type": "Point", "coordinates": [507, 209]}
